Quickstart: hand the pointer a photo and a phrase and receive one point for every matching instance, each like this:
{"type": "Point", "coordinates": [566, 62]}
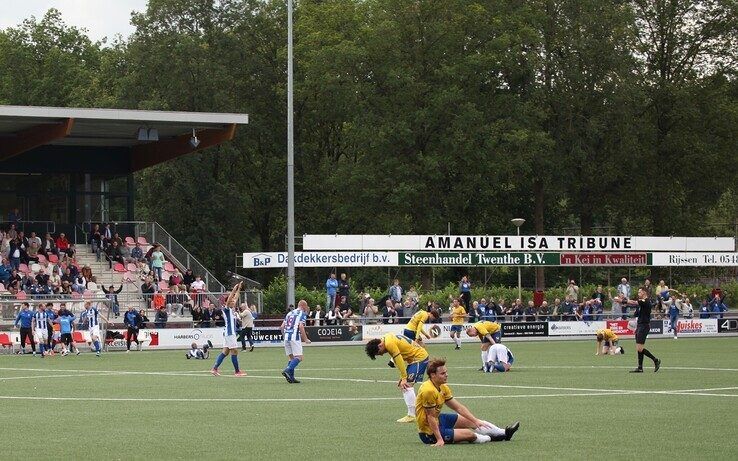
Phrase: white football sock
{"type": "Point", "coordinates": [482, 438]}
{"type": "Point", "coordinates": [409, 396]}
{"type": "Point", "coordinates": [457, 340]}
{"type": "Point", "coordinates": [489, 429]}
{"type": "Point", "coordinates": [484, 358]}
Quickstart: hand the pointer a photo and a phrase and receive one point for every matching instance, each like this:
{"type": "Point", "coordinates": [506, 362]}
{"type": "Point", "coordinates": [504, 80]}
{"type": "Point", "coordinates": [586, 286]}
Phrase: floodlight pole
{"type": "Point", "coordinates": [519, 222]}
{"type": "Point", "coordinates": [290, 167]}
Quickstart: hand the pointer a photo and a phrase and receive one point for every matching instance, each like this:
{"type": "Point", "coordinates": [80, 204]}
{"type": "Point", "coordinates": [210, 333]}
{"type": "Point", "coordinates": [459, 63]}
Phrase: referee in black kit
{"type": "Point", "coordinates": [643, 313]}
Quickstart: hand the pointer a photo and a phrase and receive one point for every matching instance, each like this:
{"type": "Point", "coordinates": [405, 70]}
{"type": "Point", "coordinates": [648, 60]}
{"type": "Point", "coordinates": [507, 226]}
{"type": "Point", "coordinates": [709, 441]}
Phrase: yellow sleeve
{"type": "Point", "coordinates": [393, 347]}
{"type": "Point", "coordinates": [446, 392]}
{"type": "Point", "coordinates": [426, 399]}
{"type": "Point", "coordinates": [481, 329]}
{"type": "Point", "coordinates": [422, 318]}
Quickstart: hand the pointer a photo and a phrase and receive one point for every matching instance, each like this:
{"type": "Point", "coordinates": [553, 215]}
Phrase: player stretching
{"type": "Point", "coordinates": [230, 344]}
{"type": "Point", "coordinates": [490, 333]}
{"type": "Point", "coordinates": [410, 360]}
{"type": "Point", "coordinates": [40, 328]}
{"type": "Point", "coordinates": [643, 313]}
{"type": "Point", "coordinates": [611, 342]}
{"type": "Point", "coordinates": [438, 428]}
{"type": "Point", "coordinates": [414, 328]}
{"type": "Point", "coordinates": [93, 325]}
{"type": "Point", "coordinates": [458, 314]}
{"type": "Point", "coordinates": [293, 331]}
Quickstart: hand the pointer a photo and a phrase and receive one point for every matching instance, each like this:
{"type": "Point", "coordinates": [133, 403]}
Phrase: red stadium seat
{"type": "Point", "coordinates": [168, 266]}
{"type": "Point", "coordinates": [131, 267]}
{"type": "Point", "coordinates": [21, 295]}
{"type": "Point", "coordinates": [128, 277]}
{"type": "Point", "coordinates": [53, 258]}
{"type": "Point", "coordinates": [6, 343]}
{"type": "Point", "coordinates": [41, 258]}
{"type": "Point", "coordinates": [76, 295]}
{"type": "Point", "coordinates": [118, 267]}
{"type": "Point", "coordinates": [142, 241]}
{"type": "Point", "coordinates": [23, 268]}
{"type": "Point", "coordinates": [164, 286]}
{"type": "Point", "coordinates": [130, 242]}
{"type": "Point", "coordinates": [88, 294]}
{"type": "Point", "coordinates": [78, 337]}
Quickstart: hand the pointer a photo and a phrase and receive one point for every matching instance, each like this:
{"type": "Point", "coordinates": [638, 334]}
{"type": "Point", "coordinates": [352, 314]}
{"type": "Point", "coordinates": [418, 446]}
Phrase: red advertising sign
{"type": "Point", "coordinates": [604, 259]}
{"type": "Point", "coordinates": [620, 327]}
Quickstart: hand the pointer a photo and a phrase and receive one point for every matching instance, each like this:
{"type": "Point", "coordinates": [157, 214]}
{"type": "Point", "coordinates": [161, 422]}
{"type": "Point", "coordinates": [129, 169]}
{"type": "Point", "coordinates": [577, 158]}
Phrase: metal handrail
{"type": "Point", "coordinates": [21, 225]}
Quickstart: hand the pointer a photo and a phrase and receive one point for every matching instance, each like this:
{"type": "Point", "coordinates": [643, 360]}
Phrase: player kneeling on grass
{"type": "Point", "coordinates": [489, 333]}
{"type": "Point", "coordinates": [198, 353]}
{"type": "Point", "coordinates": [499, 358]}
{"type": "Point", "coordinates": [610, 339]}
{"type": "Point", "coordinates": [438, 428]}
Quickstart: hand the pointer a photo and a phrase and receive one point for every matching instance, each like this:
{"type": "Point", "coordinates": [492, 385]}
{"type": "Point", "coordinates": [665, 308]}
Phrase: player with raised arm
{"type": "Point", "coordinates": [643, 314]}
{"type": "Point", "coordinates": [409, 358]}
{"type": "Point", "coordinates": [610, 339]}
{"type": "Point", "coordinates": [437, 429]}
{"type": "Point", "coordinates": [489, 333]}
{"type": "Point", "coordinates": [230, 330]}
{"type": "Point", "coordinates": [293, 331]}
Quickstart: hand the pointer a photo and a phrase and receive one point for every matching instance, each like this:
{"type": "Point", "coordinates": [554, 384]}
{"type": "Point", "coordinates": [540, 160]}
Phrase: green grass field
{"type": "Point", "coordinates": [571, 404]}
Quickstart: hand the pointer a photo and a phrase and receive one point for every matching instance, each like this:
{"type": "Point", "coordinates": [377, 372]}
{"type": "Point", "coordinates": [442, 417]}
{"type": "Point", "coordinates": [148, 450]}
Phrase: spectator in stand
{"type": "Point", "coordinates": [114, 253]}
{"type": "Point", "coordinates": [389, 313]}
{"type": "Point", "coordinates": [197, 287]}
{"type": "Point", "coordinates": [477, 306]}
{"type": "Point", "coordinates": [395, 292]}
{"type": "Point", "coordinates": [160, 320]}
{"type": "Point", "coordinates": [348, 316]}
{"type": "Point", "coordinates": [148, 289]}
{"type": "Point", "coordinates": [107, 235]}
{"type": "Point", "coordinates": [465, 292]}
{"type": "Point", "coordinates": [316, 317]}
{"type": "Point", "coordinates": [14, 253]}
{"type": "Point", "coordinates": [333, 316]}
{"type": "Point", "coordinates": [62, 244]}
{"type": "Point", "coordinates": [518, 310]}
{"type": "Point", "coordinates": [48, 246]}
{"type": "Point", "coordinates": [14, 217]}
{"type": "Point", "coordinates": [79, 284]}
{"type": "Point", "coordinates": [344, 289]}
{"type": "Point", "coordinates": [331, 288]}
{"type": "Point", "coordinates": [144, 319]}
{"type": "Point", "coordinates": [96, 241]}
{"type": "Point", "coordinates": [157, 262]}
{"type": "Point", "coordinates": [476, 313]}
{"type": "Point", "coordinates": [624, 289]}
{"type": "Point", "coordinates": [176, 278]}
{"type": "Point", "coordinates": [408, 309]}
{"type": "Point", "coordinates": [206, 319]}
{"type": "Point", "coordinates": [586, 312]}
{"type": "Point", "coordinates": [599, 294]}
{"type": "Point", "coordinates": [572, 290]}
{"type": "Point", "coordinates": [175, 301]}
{"type": "Point", "coordinates": [14, 282]}
{"type": "Point", "coordinates": [371, 311]}
{"type": "Point", "coordinates": [530, 312]}
{"type": "Point", "coordinates": [55, 281]}
{"type": "Point", "coordinates": [142, 270]}
{"type": "Point", "coordinates": [565, 310]}
{"type": "Point", "coordinates": [648, 288]}
{"type": "Point", "coordinates": [137, 253]}
{"type": "Point", "coordinates": [412, 295]}
{"type": "Point", "coordinates": [617, 306]}
{"type": "Point", "coordinates": [188, 278]}
{"type": "Point", "coordinates": [598, 309]}
{"type": "Point", "coordinates": [662, 290]}
{"type": "Point", "coordinates": [686, 307]}
{"type": "Point", "coordinates": [5, 271]}
{"type": "Point", "coordinates": [33, 238]}
{"type": "Point", "coordinates": [117, 238]}
{"type": "Point", "coordinates": [217, 316]}
{"type": "Point", "coordinates": [112, 294]}
{"type": "Point", "coordinates": [87, 272]}
{"type": "Point", "coordinates": [717, 307]}
{"type": "Point", "coordinates": [197, 316]}
{"type": "Point", "coordinates": [544, 311]}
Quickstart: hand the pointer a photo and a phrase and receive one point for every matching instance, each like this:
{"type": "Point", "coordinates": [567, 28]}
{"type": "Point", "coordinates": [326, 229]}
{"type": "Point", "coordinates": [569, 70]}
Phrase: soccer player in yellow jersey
{"type": "Point", "coordinates": [458, 315]}
{"type": "Point", "coordinates": [489, 333]}
{"type": "Point", "coordinates": [414, 328]}
{"type": "Point", "coordinates": [410, 360]}
{"type": "Point", "coordinates": [438, 428]}
{"type": "Point", "coordinates": [611, 342]}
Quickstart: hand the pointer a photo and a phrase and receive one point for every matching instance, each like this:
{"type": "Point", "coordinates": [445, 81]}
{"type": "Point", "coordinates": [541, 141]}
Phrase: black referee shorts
{"type": "Point", "coordinates": [641, 333]}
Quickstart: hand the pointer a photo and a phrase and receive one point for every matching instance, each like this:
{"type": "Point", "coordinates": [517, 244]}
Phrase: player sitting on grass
{"type": "Point", "coordinates": [438, 428]}
{"type": "Point", "coordinates": [611, 342]}
{"type": "Point", "coordinates": [198, 353]}
{"type": "Point", "coordinates": [489, 333]}
{"type": "Point", "coordinates": [499, 358]}
{"type": "Point", "coordinates": [410, 360]}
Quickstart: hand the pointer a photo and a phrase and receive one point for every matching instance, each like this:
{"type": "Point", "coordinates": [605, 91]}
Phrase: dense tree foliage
{"type": "Point", "coordinates": [591, 116]}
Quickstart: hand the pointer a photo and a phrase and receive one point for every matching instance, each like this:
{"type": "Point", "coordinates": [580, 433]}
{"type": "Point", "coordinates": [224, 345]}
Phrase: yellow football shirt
{"type": "Point", "coordinates": [416, 322]}
{"type": "Point", "coordinates": [608, 334]}
{"type": "Point", "coordinates": [457, 315]}
{"type": "Point", "coordinates": [485, 327]}
{"type": "Point", "coordinates": [430, 398]}
{"type": "Point", "coordinates": [403, 352]}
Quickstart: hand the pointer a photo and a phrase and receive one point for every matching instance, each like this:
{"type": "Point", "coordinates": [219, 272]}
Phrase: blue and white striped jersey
{"type": "Point", "coordinates": [230, 317]}
{"type": "Point", "coordinates": [292, 324]}
{"type": "Point", "coordinates": [93, 317]}
{"type": "Point", "coordinates": [40, 319]}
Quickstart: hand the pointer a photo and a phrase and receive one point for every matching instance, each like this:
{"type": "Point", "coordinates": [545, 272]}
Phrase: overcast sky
{"type": "Point", "coordinates": [101, 18]}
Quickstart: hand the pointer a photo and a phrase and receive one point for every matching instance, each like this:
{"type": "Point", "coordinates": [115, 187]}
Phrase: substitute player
{"type": "Point", "coordinates": [499, 358]}
{"type": "Point", "coordinates": [610, 339]}
{"type": "Point", "coordinates": [458, 316]}
{"type": "Point", "coordinates": [643, 314]}
{"type": "Point", "coordinates": [410, 360]}
{"type": "Point", "coordinates": [230, 330]}
{"type": "Point", "coordinates": [293, 331]}
{"type": "Point", "coordinates": [489, 333]}
{"type": "Point", "coordinates": [438, 428]}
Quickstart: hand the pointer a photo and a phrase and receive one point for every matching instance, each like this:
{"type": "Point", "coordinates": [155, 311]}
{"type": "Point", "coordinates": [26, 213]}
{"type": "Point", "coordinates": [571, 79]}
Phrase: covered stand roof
{"type": "Point", "coordinates": [106, 141]}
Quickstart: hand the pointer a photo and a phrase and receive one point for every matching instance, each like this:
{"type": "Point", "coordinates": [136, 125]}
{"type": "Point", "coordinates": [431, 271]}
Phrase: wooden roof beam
{"type": "Point", "coordinates": [34, 137]}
